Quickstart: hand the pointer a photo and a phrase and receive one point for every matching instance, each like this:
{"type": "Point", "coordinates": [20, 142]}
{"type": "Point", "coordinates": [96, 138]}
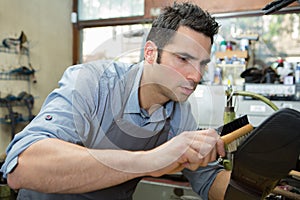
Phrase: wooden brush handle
{"type": "Point", "coordinates": [230, 137]}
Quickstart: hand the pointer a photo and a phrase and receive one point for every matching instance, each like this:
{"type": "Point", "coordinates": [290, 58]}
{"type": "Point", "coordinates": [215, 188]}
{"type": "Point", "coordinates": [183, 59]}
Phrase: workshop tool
{"type": "Point", "coordinates": [241, 126]}
{"type": "Point", "coordinates": [234, 131]}
{"type": "Point", "coordinates": [229, 113]}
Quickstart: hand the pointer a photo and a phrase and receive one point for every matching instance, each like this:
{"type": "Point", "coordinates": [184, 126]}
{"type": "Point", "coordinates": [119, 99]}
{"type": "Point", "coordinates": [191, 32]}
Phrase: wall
{"type": "Point", "coordinates": [49, 30]}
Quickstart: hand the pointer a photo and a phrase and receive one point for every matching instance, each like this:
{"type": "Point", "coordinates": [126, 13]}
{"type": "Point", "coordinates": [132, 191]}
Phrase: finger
{"type": "Point", "coordinates": [202, 148]}
{"type": "Point", "coordinates": [194, 166]}
{"type": "Point", "coordinates": [213, 154]}
{"type": "Point", "coordinates": [220, 143]}
{"type": "Point", "coordinates": [210, 136]}
{"type": "Point", "coordinates": [179, 168]}
{"type": "Point", "coordinates": [221, 148]}
{"type": "Point", "coordinates": [208, 132]}
{"type": "Point", "coordinates": [210, 157]}
{"type": "Point", "coordinates": [193, 160]}
{"type": "Point", "coordinates": [203, 144]}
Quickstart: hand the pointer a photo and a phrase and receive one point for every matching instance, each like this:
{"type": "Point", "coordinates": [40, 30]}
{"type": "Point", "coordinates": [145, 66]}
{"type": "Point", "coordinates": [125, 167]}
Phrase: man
{"type": "Point", "coordinates": [109, 124]}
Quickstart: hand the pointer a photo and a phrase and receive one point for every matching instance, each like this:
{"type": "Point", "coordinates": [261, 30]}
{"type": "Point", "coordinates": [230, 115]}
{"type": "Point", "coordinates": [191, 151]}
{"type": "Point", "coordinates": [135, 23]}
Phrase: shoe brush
{"type": "Point", "coordinates": [233, 134]}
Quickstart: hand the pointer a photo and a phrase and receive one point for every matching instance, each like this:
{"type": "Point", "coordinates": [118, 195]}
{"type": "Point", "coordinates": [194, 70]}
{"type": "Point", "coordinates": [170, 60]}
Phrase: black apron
{"type": "Point", "coordinates": [117, 137]}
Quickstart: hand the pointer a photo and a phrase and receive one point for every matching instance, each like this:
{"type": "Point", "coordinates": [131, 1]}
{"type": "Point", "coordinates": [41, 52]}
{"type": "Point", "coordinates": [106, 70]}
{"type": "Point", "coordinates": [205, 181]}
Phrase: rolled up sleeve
{"type": "Point", "coordinates": [202, 179]}
{"type": "Point", "coordinates": [48, 124]}
{"type": "Point", "coordinates": [55, 120]}
{"type": "Point", "coordinates": [15, 148]}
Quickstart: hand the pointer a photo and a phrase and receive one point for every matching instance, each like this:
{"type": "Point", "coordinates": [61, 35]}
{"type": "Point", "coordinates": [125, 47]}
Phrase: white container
{"type": "Point", "coordinates": [297, 74]}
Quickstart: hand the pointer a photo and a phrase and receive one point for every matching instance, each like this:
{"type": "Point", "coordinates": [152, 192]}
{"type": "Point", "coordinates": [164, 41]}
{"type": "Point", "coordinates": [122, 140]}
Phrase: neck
{"type": "Point", "coordinates": [150, 97]}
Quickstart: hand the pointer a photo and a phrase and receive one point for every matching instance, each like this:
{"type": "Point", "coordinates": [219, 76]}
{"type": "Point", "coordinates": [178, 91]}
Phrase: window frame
{"type": "Point", "coordinates": [81, 24]}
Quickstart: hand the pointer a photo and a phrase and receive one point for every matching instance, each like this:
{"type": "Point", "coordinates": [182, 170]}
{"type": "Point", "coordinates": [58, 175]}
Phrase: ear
{"type": "Point", "coordinates": [150, 52]}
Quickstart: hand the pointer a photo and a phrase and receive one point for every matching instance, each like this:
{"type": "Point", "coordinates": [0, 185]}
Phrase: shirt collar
{"type": "Point", "coordinates": [132, 105]}
{"type": "Point", "coordinates": [162, 113]}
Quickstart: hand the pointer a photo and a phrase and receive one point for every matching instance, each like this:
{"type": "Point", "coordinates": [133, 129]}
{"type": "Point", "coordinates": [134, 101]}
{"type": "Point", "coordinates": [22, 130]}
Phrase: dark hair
{"type": "Point", "coordinates": [181, 14]}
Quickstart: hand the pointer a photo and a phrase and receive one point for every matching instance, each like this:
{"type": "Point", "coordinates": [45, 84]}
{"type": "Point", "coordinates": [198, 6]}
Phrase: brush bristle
{"type": "Point", "coordinates": [231, 147]}
{"type": "Point", "coordinates": [233, 125]}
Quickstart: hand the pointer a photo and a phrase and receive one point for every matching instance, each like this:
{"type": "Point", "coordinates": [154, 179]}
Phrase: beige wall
{"type": "Point", "coordinates": [49, 30]}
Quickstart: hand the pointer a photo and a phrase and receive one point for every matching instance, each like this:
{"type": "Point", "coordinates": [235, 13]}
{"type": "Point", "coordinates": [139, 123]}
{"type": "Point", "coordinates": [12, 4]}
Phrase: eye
{"type": "Point", "coordinates": [181, 58]}
{"type": "Point", "coordinates": [203, 65]}
{"type": "Point", "coordinates": [203, 68]}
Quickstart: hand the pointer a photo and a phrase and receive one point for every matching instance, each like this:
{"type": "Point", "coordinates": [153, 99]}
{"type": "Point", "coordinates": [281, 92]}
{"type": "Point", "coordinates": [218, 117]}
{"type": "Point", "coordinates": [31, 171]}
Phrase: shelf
{"type": "Point", "coordinates": [20, 53]}
{"type": "Point", "coordinates": [230, 54]}
{"type": "Point", "coordinates": [20, 120]}
{"type": "Point", "coordinates": [231, 65]}
{"type": "Point", "coordinates": [13, 76]}
{"type": "Point", "coordinates": [23, 51]}
{"type": "Point", "coordinates": [14, 103]}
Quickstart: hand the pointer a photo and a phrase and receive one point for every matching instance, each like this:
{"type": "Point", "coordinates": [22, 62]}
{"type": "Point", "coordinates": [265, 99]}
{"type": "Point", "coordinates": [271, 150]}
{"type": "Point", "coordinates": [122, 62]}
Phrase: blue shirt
{"type": "Point", "coordinates": [76, 112]}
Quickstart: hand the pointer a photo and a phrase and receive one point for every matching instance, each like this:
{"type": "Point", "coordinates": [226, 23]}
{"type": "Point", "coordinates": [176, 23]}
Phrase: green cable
{"type": "Point", "coordinates": [257, 96]}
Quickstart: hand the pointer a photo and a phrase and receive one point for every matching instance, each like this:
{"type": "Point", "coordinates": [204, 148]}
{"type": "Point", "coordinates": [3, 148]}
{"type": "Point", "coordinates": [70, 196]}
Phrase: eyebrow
{"type": "Point", "coordinates": [187, 55]}
{"type": "Point", "coordinates": [205, 62]}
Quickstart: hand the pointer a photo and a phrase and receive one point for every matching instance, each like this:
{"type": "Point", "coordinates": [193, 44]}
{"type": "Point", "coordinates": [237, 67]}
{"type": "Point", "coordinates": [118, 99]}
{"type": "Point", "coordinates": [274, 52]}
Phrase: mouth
{"type": "Point", "coordinates": [187, 90]}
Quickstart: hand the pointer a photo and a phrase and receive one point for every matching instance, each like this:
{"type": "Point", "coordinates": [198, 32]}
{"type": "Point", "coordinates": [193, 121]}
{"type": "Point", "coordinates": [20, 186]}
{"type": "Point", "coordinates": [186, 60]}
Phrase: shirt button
{"type": "Point", "coordinates": [48, 117]}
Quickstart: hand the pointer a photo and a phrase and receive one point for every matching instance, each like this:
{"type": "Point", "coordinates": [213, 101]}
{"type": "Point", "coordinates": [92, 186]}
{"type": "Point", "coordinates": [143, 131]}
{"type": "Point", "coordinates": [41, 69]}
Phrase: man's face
{"type": "Point", "coordinates": [183, 62]}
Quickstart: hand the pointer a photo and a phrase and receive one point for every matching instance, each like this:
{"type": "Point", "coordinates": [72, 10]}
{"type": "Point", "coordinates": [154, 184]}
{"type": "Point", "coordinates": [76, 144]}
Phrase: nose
{"type": "Point", "coordinates": [194, 74]}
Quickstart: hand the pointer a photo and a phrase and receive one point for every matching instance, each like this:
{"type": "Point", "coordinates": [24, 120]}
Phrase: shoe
{"type": "Point", "coordinates": [13, 42]}
{"type": "Point", "coordinates": [268, 154]}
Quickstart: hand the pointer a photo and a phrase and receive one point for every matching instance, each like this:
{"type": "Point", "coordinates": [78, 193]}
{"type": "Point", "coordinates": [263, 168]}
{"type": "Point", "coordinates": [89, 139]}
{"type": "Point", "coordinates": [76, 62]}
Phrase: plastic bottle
{"type": "Point", "coordinates": [297, 74]}
{"type": "Point", "coordinates": [228, 46]}
{"type": "Point", "coordinates": [223, 46]}
{"type": "Point", "coordinates": [244, 44]}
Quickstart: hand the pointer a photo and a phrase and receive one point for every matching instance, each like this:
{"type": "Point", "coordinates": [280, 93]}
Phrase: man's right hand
{"type": "Point", "coordinates": [190, 149]}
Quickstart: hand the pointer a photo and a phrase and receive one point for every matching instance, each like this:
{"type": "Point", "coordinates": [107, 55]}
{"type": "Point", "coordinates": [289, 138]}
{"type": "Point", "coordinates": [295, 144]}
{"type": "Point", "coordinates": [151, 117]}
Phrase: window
{"type": "Point", "coordinates": [123, 43]}
{"type": "Point", "coordinates": [104, 9]}
{"type": "Point", "coordinates": [278, 35]}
